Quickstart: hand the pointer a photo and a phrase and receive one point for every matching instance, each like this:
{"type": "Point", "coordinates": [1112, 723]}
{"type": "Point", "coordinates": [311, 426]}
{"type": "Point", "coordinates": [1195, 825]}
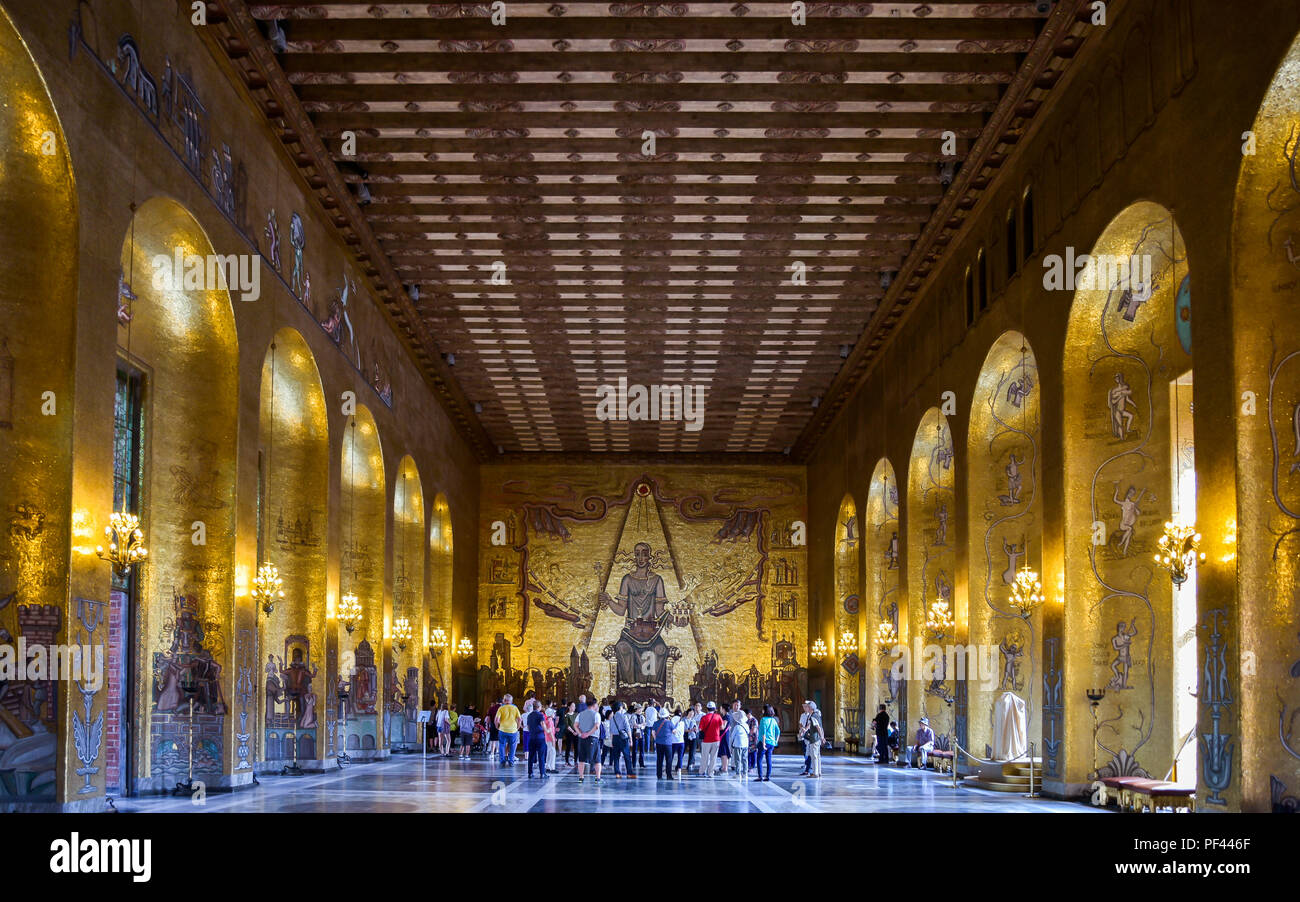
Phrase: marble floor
{"type": "Point", "coordinates": [409, 783]}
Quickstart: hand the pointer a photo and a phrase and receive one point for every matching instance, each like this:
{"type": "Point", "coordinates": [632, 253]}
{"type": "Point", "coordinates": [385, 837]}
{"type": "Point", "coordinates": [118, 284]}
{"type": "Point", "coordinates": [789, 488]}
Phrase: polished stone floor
{"type": "Point", "coordinates": [414, 784]}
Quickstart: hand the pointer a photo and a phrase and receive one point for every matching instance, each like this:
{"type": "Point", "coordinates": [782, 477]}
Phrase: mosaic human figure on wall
{"type": "Point", "coordinates": [1118, 400]}
{"type": "Point", "coordinates": [1122, 663]}
{"type": "Point", "coordinates": [641, 651]}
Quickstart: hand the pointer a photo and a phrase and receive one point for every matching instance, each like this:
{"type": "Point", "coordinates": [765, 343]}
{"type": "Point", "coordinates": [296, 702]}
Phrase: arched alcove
{"type": "Point", "coordinates": [438, 606]}
{"type": "Point", "coordinates": [1127, 631]}
{"type": "Point", "coordinates": [293, 470]}
{"type": "Point", "coordinates": [931, 576]}
{"type": "Point", "coordinates": [408, 599]}
{"type": "Point", "coordinates": [883, 602]}
{"type": "Point", "coordinates": [1265, 266]}
{"type": "Point", "coordinates": [362, 509]}
{"type": "Point", "coordinates": [847, 644]}
{"type": "Point", "coordinates": [1005, 532]}
{"type": "Point", "coordinates": [179, 357]}
{"type": "Point", "coordinates": [38, 297]}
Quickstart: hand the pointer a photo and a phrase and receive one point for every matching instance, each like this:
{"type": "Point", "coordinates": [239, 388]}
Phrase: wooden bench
{"type": "Point", "coordinates": [941, 756]}
{"type": "Point", "coordinates": [1152, 795]}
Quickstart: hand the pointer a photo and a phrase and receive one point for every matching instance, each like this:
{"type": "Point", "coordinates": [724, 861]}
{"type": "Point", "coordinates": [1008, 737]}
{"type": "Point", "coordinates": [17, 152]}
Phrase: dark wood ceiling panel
{"type": "Point", "coordinates": [495, 176]}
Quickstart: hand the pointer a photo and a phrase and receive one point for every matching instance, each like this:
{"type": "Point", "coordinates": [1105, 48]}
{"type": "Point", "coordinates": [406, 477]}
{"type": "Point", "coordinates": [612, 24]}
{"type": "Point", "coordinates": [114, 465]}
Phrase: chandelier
{"type": "Point", "coordinates": [125, 543]}
{"type": "Point", "coordinates": [267, 587]}
{"type": "Point", "coordinates": [1027, 592]}
{"type": "Point", "coordinates": [1179, 550]}
{"type": "Point", "coordinates": [886, 637]}
{"type": "Point", "coordinates": [402, 632]}
{"type": "Point", "coordinates": [438, 640]}
{"type": "Point", "coordinates": [349, 612]}
{"type": "Point", "coordinates": [818, 649]}
{"type": "Point", "coordinates": [848, 643]}
{"type": "Point", "coordinates": [466, 647]}
{"type": "Point", "coordinates": [938, 620]}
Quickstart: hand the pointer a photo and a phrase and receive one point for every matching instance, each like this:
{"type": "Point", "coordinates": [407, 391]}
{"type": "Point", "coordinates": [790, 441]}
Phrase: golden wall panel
{"type": "Point", "coordinates": [404, 679]}
{"type": "Point", "coordinates": [882, 600]}
{"type": "Point", "coordinates": [932, 564]}
{"type": "Point", "coordinates": [294, 444]}
{"type": "Point", "coordinates": [1262, 650]}
{"type": "Point", "coordinates": [1005, 533]}
{"type": "Point", "coordinates": [847, 726]}
{"type": "Point", "coordinates": [38, 291]}
{"type": "Point", "coordinates": [183, 340]}
{"type": "Point", "coordinates": [558, 546]}
{"type": "Point", "coordinates": [1123, 350]}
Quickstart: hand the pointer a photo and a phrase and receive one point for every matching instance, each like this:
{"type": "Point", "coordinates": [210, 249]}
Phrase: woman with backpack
{"type": "Point", "coordinates": [753, 739]}
{"type": "Point", "coordinates": [769, 735]}
{"type": "Point", "coordinates": [638, 735]}
{"type": "Point", "coordinates": [813, 737]}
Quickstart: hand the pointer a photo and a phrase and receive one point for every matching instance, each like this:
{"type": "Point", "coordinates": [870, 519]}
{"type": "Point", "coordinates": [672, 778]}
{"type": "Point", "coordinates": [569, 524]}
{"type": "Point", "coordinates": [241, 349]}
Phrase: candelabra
{"type": "Point", "coordinates": [1179, 550]}
{"type": "Point", "coordinates": [1027, 592]}
{"type": "Point", "coordinates": [402, 632]}
{"type": "Point", "coordinates": [466, 647]}
{"type": "Point", "coordinates": [125, 543]}
{"type": "Point", "coordinates": [848, 643]}
{"type": "Point", "coordinates": [349, 612]}
{"type": "Point", "coordinates": [886, 637]}
{"type": "Point", "coordinates": [818, 649]}
{"type": "Point", "coordinates": [268, 588]}
{"type": "Point", "coordinates": [938, 620]}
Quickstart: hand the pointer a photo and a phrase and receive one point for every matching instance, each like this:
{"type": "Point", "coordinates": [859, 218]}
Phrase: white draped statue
{"type": "Point", "coordinates": [1010, 729]}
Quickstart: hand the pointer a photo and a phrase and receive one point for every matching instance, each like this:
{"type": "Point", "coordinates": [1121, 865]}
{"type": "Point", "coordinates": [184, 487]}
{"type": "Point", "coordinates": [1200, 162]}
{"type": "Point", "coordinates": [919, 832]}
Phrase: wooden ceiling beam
{"type": "Point", "coordinates": [683, 91]}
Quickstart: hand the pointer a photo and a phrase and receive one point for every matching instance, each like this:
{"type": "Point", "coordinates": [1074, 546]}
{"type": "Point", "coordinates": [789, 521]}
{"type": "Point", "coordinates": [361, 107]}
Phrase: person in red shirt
{"type": "Point", "coordinates": [710, 736]}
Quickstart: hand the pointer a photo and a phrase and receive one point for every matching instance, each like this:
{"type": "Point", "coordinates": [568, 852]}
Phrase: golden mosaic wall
{"type": "Point", "coordinates": [932, 541]}
{"type": "Point", "coordinates": [1263, 649]}
{"type": "Point", "coordinates": [1005, 532]}
{"type": "Point", "coordinates": [437, 664]}
{"type": "Point", "coordinates": [844, 643]}
{"type": "Point", "coordinates": [557, 542]}
{"type": "Point", "coordinates": [183, 340]}
{"type": "Point", "coordinates": [294, 445]}
{"type": "Point", "coordinates": [1128, 339]}
{"type": "Point", "coordinates": [39, 223]}
{"type": "Point", "coordinates": [883, 600]}
{"type": "Point", "coordinates": [408, 604]}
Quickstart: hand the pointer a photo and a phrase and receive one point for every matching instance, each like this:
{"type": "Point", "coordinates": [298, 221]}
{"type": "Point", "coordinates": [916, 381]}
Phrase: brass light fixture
{"type": "Point", "coordinates": [819, 649]}
{"type": "Point", "coordinates": [466, 647]}
{"type": "Point", "coordinates": [402, 632]}
{"type": "Point", "coordinates": [438, 641]}
{"type": "Point", "coordinates": [938, 620]}
{"type": "Point", "coordinates": [125, 543]}
{"type": "Point", "coordinates": [349, 612]}
{"type": "Point", "coordinates": [1027, 592]}
{"type": "Point", "coordinates": [268, 588]}
{"type": "Point", "coordinates": [848, 643]}
{"type": "Point", "coordinates": [886, 637]}
{"type": "Point", "coordinates": [1179, 550]}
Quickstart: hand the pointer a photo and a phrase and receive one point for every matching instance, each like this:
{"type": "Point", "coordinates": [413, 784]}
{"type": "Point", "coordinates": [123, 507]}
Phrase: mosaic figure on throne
{"type": "Point", "coordinates": [641, 653]}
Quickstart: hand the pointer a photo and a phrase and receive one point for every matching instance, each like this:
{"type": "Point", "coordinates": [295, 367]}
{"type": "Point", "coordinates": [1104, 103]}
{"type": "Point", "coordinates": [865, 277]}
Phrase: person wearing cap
{"type": "Point", "coordinates": [924, 743]}
{"type": "Point", "coordinates": [710, 736]}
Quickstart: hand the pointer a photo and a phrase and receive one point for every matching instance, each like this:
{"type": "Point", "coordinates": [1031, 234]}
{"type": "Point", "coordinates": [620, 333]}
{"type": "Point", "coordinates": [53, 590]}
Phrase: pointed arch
{"type": "Point", "coordinates": [363, 512]}
{"type": "Point", "coordinates": [847, 640]}
{"type": "Point", "coordinates": [931, 569]}
{"type": "Point", "coordinates": [408, 608]}
{"type": "Point", "coordinates": [884, 603]}
{"type": "Point", "coordinates": [438, 604]}
{"type": "Point", "coordinates": [1005, 531]}
{"type": "Point", "coordinates": [293, 534]}
{"type": "Point", "coordinates": [39, 241]}
{"type": "Point", "coordinates": [1122, 357]}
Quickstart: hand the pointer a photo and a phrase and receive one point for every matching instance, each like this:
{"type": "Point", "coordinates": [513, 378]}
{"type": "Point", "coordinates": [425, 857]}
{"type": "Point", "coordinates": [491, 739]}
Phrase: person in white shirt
{"type": "Point", "coordinates": [651, 716]}
{"type": "Point", "coordinates": [738, 739]}
{"type": "Point", "coordinates": [680, 723]}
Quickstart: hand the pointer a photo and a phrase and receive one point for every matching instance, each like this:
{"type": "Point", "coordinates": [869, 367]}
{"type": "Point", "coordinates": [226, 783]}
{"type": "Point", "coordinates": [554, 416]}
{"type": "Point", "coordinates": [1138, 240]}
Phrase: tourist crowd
{"type": "Point", "coordinates": [700, 739]}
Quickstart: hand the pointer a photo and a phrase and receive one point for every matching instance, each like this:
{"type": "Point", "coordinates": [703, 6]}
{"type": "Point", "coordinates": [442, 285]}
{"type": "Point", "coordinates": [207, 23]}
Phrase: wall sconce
{"type": "Point", "coordinates": [349, 612]}
{"type": "Point", "coordinates": [466, 647]}
{"type": "Point", "coordinates": [1027, 592]}
{"type": "Point", "coordinates": [125, 543]}
{"type": "Point", "coordinates": [848, 643]}
{"type": "Point", "coordinates": [1179, 550]}
{"type": "Point", "coordinates": [438, 641]}
{"type": "Point", "coordinates": [938, 620]}
{"type": "Point", "coordinates": [268, 588]}
{"type": "Point", "coordinates": [886, 637]}
{"type": "Point", "coordinates": [402, 632]}
{"type": "Point", "coordinates": [818, 649]}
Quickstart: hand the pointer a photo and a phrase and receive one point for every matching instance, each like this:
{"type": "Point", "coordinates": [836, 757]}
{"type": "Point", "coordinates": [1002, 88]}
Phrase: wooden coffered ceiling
{"type": "Point", "coordinates": [518, 150]}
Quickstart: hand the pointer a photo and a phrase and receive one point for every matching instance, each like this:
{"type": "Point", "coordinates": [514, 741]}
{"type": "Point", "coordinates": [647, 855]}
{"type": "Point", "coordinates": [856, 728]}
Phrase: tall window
{"type": "Point", "coordinates": [970, 296]}
{"type": "Point", "coordinates": [1027, 222]}
{"type": "Point", "coordinates": [1013, 245]}
{"type": "Point", "coordinates": [127, 447]}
